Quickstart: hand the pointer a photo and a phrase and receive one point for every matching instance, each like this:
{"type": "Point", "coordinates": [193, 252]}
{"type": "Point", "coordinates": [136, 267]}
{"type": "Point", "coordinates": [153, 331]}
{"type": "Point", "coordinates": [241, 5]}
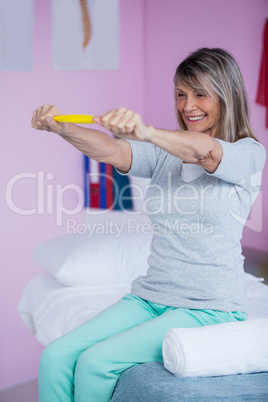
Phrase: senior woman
{"type": "Point", "coordinates": [202, 180]}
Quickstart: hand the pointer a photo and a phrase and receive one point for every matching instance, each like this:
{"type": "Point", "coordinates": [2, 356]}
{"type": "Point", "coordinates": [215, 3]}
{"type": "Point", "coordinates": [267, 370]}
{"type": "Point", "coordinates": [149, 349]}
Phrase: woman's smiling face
{"type": "Point", "coordinates": [200, 112]}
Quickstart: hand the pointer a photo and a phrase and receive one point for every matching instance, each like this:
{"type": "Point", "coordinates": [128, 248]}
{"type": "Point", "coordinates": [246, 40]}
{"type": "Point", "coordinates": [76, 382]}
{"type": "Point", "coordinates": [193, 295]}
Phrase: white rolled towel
{"type": "Point", "coordinates": [215, 350]}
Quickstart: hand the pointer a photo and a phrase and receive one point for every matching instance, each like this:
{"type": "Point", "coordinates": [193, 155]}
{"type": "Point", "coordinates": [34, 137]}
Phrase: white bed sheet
{"type": "Point", "coordinates": [51, 310]}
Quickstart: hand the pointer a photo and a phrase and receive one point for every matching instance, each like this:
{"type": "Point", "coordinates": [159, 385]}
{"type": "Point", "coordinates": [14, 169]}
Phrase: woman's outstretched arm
{"type": "Point", "coordinates": [93, 143]}
{"type": "Point", "coordinates": [191, 147]}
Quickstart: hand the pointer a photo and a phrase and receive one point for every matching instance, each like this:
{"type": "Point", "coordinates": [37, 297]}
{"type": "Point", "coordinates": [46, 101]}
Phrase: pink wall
{"type": "Point", "coordinates": [24, 149]}
{"type": "Point", "coordinates": [144, 84]}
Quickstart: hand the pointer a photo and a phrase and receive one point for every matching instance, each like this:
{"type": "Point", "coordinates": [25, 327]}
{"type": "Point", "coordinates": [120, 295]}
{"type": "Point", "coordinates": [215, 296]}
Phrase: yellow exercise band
{"type": "Point", "coordinates": [75, 118]}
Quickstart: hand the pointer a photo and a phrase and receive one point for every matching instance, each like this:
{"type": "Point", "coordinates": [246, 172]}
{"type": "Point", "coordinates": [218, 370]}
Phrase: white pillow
{"type": "Point", "coordinates": [111, 252]}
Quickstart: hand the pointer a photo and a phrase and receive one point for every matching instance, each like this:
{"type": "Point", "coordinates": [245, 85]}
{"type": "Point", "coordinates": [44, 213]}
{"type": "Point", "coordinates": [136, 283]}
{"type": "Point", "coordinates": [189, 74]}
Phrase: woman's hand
{"type": "Point", "coordinates": [125, 124]}
{"type": "Point", "coordinates": [43, 119]}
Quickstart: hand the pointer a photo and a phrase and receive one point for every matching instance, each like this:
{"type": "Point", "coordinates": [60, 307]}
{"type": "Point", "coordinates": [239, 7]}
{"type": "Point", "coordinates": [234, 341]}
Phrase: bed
{"type": "Point", "coordinates": [86, 272]}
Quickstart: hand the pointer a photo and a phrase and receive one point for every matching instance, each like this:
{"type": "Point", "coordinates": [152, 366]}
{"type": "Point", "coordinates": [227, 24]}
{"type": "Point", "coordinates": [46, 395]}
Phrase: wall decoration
{"type": "Point", "coordinates": [86, 22]}
{"type": "Point", "coordinates": [16, 35]}
{"type": "Point", "coordinates": [262, 94]}
{"type": "Point", "coordinates": [105, 188]}
{"type": "Point", "coordinates": [85, 34]}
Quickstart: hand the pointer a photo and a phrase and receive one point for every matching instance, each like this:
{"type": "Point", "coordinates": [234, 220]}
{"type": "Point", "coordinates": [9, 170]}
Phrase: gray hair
{"type": "Point", "coordinates": [217, 70]}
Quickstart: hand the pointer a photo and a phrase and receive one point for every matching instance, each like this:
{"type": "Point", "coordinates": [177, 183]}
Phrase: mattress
{"type": "Point", "coordinates": [151, 382]}
{"type": "Point", "coordinates": [51, 310]}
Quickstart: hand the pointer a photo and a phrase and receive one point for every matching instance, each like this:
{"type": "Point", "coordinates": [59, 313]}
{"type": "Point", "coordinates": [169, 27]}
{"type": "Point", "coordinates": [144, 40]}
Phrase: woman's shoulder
{"type": "Point", "coordinates": [252, 144]}
{"type": "Point", "coordinates": [246, 146]}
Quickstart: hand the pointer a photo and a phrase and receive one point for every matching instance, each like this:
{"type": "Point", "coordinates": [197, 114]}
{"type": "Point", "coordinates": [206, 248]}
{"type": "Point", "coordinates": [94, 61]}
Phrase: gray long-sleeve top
{"type": "Point", "coordinates": [196, 259]}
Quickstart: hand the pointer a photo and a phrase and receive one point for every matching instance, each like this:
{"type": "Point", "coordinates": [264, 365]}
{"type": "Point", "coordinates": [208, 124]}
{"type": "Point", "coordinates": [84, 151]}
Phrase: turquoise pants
{"type": "Point", "coordinates": [85, 364]}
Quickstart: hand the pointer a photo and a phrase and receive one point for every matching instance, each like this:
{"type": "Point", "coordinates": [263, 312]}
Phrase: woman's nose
{"type": "Point", "coordinates": [189, 104]}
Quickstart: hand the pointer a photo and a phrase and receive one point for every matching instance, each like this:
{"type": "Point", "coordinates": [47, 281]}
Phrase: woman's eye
{"type": "Point", "coordinates": [180, 95]}
{"type": "Point", "coordinates": [200, 95]}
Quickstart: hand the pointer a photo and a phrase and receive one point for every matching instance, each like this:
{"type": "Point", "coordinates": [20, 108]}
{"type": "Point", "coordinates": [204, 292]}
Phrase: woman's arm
{"type": "Point", "coordinates": [93, 143]}
{"type": "Point", "coordinates": [191, 147]}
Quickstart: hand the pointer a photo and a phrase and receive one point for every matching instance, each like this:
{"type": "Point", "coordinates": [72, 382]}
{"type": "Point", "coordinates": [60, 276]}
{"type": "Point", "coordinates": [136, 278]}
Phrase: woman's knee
{"type": "Point", "coordinates": [52, 357]}
{"type": "Point", "coordinates": [92, 359]}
